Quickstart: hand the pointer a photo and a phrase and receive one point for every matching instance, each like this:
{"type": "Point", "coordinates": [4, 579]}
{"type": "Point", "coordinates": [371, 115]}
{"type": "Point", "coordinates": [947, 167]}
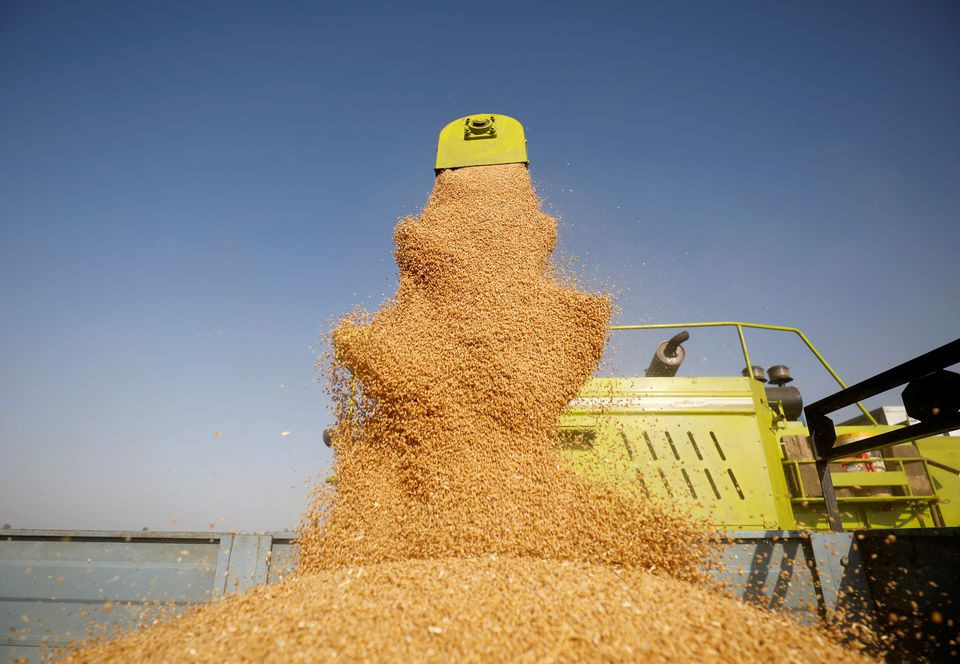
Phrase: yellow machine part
{"type": "Point", "coordinates": [697, 445]}
{"type": "Point", "coordinates": [481, 140]}
{"type": "Point", "coordinates": [712, 447]}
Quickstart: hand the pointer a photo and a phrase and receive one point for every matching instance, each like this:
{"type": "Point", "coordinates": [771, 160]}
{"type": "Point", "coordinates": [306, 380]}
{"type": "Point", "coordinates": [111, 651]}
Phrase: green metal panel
{"type": "Point", "coordinates": [865, 514]}
{"type": "Point", "coordinates": [944, 453]}
{"type": "Point", "coordinates": [481, 139]}
{"type": "Point", "coordinates": [711, 447]}
{"type": "Point", "coordinates": [693, 443]}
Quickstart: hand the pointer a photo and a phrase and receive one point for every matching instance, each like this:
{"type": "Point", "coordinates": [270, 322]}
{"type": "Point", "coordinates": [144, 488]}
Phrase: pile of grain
{"type": "Point", "coordinates": [480, 610]}
{"type": "Point", "coordinates": [454, 533]}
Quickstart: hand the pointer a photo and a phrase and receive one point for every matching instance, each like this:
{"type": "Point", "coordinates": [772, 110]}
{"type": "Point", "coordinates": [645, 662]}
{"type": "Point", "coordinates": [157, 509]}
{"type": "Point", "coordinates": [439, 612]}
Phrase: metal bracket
{"type": "Point", "coordinates": [479, 127]}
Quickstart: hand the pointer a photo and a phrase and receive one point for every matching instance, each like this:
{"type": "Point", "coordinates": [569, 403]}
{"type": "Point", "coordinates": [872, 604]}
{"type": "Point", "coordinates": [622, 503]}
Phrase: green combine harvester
{"type": "Point", "coordinates": [734, 451]}
{"type": "Point", "coordinates": [857, 521]}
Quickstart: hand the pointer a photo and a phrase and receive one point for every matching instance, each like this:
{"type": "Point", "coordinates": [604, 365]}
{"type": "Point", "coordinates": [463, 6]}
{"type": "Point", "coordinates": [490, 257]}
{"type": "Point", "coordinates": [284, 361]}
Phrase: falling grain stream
{"type": "Point", "coordinates": [454, 533]}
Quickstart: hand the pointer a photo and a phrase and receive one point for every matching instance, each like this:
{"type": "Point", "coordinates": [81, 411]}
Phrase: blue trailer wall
{"type": "Point", "coordinates": [56, 585]}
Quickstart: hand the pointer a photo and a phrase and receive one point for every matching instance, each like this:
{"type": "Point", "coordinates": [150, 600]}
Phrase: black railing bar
{"type": "Point", "coordinates": [939, 358]}
{"type": "Point", "coordinates": [913, 432]}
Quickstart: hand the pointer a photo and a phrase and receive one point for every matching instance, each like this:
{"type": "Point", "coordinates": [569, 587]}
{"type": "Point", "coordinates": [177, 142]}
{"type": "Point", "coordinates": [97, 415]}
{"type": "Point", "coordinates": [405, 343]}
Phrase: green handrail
{"type": "Point", "coordinates": [743, 343]}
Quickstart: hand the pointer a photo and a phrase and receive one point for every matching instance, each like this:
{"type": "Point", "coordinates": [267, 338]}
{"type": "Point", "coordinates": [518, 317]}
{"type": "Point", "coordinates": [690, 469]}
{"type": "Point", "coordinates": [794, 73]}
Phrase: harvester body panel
{"type": "Point", "coordinates": [716, 449]}
{"type": "Point", "coordinates": [482, 139]}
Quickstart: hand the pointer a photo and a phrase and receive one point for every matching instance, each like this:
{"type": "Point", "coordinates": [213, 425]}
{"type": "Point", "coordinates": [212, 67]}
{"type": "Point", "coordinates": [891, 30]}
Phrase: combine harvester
{"type": "Point", "coordinates": [858, 521]}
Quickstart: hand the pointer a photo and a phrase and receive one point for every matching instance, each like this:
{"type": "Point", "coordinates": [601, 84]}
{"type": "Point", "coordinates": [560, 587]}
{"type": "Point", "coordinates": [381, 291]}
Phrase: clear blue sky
{"type": "Point", "coordinates": [188, 190]}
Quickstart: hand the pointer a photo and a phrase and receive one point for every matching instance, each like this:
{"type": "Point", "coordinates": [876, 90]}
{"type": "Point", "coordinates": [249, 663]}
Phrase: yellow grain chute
{"type": "Point", "coordinates": [483, 139]}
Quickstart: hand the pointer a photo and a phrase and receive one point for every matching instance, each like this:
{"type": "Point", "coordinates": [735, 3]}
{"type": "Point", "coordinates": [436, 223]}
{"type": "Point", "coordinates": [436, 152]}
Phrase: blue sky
{"type": "Point", "coordinates": [188, 191]}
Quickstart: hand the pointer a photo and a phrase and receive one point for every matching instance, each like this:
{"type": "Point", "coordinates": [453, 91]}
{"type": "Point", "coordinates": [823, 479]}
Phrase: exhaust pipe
{"type": "Point", "coordinates": [668, 357]}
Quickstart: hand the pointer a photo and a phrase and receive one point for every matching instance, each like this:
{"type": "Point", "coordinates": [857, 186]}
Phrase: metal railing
{"type": "Point", "coordinates": [925, 377]}
{"type": "Point", "coordinates": [740, 325]}
{"type": "Point", "coordinates": [862, 479]}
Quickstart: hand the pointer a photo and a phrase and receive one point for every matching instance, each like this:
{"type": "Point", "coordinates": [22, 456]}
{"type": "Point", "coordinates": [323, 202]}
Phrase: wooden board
{"type": "Point", "coordinates": [797, 448]}
{"type": "Point", "coordinates": [916, 473]}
